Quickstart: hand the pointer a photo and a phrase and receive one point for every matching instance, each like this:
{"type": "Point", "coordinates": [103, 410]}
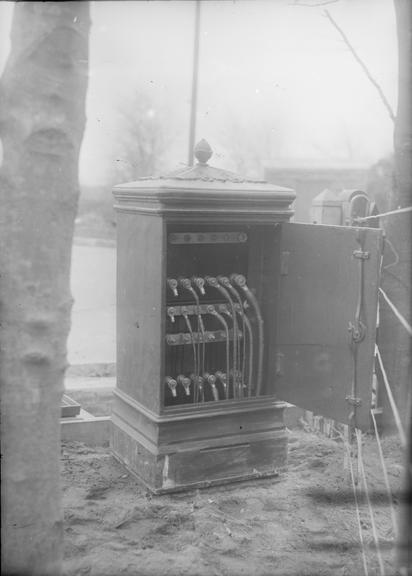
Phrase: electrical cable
{"type": "Point", "coordinates": [240, 281]}
{"type": "Point", "coordinates": [248, 325]}
{"type": "Point", "coordinates": [224, 280]}
{"type": "Point", "coordinates": [196, 368]}
{"type": "Point", "coordinates": [171, 312]}
{"type": "Point", "coordinates": [392, 247]}
{"type": "Point", "coordinates": [395, 411]}
{"type": "Point", "coordinates": [355, 495]}
{"type": "Point", "coordinates": [250, 338]}
{"type": "Point", "coordinates": [212, 281]}
{"type": "Point", "coordinates": [398, 315]}
{"type": "Point", "coordinates": [186, 284]}
{"type": "Point", "coordinates": [221, 376]}
{"type": "Point", "coordinates": [385, 475]}
{"type": "Point", "coordinates": [398, 211]}
{"type": "Point", "coordinates": [372, 517]}
{"type": "Point", "coordinates": [212, 310]}
{"type": "Point", "coordinates": [228, 313]}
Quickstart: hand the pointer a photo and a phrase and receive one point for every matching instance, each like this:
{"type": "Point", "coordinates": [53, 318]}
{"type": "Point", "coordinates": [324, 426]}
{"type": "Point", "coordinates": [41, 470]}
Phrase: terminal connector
{"type": "Point", "coordinates": [171, 313]}
{"type": "Point", "coordinates": [221, 377]}
{"type": "Point", "coordinates": [172, 385]}
{"type": "Point", "coordinates": [211, 380]}
{"type": "Point", "coordinates": [185, 283]}
{"type": "Point", "coordinates": [198, 383]}
{"type": "Point", "coordinates": [200, 284]}
{"type": "Point", "coordinates": [185, 382]}
{"type": "Point", "coordinates": [224, 281]}
{"type": "Point", "coordinates": [238, 280]}
{"type": "Point", "coordinates": [172, 283]}
{"type": "Point", "coordinates": [212, 281]}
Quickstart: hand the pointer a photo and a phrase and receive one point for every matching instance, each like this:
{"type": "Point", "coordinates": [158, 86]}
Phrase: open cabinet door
{"type": "Point", "coordinates": [326, 324]}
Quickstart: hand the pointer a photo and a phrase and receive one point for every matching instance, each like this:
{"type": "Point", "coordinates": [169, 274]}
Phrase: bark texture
{"type": "Point", "coordinates": [394, 341]}
{"type": "Point", "coordinates": [42, 119]}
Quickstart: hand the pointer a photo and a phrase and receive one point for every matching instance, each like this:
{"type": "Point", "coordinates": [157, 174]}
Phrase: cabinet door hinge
{"type": "Point", "coordinates": [357, 331]}
{"type": "Point", "coordinates": [361, 254]}
{"type": "Point", "coordinates": [284, 263]}
{"type": "Point", "coordinates": [353, 401]}
{"type": "Point", "coordinates": [280, 362]}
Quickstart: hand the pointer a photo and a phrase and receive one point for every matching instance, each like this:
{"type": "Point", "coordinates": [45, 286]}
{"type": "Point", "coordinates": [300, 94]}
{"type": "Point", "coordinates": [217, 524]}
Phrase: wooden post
{"type": "Point", "coordinates": [193, 107]}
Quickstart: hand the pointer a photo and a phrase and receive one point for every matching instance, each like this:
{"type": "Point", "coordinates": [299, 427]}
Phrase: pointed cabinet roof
{"type": "Point", "coordinates": [203, 192]}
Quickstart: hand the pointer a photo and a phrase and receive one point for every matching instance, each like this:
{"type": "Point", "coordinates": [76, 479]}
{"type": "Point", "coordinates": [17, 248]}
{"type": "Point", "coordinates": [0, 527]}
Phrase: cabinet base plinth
{"type": "Point", "coordinates": [180, 457]}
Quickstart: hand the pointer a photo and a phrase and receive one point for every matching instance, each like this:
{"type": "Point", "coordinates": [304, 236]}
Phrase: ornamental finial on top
{"type": "Point", "coordinates": [203, 151]}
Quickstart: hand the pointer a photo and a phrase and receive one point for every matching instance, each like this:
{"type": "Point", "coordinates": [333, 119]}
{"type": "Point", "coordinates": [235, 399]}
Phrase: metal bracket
{"type": "Point", "coordinates": [361, 254]}
{"type": "Point", "coordinates": [358, 331]}
{"type": "Point", "coordinates": [284, 263]}
{"type": "Point", "coordinates": [207, 238]}
{"type": "Point", "coordinates": [353, 401]}
{"type": "Point", "coordinates": [280, 362]}
{"type": "Point", "coordinates": [185, 338]}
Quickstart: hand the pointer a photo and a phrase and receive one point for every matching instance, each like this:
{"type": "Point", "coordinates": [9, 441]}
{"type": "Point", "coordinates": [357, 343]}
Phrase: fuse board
{"type": "Point", "coordinates": [197, 268]}
{"type": "Point", "coordinates": [215, 330]}
{"type": "Point", "coordinates": [225, 312]}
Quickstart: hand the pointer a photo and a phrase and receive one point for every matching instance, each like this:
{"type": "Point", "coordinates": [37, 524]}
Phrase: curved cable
{"type": "Point", "coordinates": [196, 368]}
{"type": "Point", "coordinates": [212, 310]}
{"type": "Point", "coordinates": [185, 382]}
{"type": "Point", "coordinates": [186, 284]}
{"type": "Point", "coordinates": [240, 281]}
{"type": "Point", "coordinates": [246, 322]}
{"type": "Point", "coordinates": [211, 380]}
{"type": "Point", "coordinates": [211, 281]}
{"type": "Point", "coordinates": [224, 281]}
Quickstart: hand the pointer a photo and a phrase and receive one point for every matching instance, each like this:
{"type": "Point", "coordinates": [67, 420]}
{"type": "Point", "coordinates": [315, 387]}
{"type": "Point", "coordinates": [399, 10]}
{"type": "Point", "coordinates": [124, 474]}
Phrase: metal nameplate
{"type": "Point", "coordinates": [207, 237]}
{"type": "Point", "coordinates": [185, 338]}
{"type": "Point", "coordinates": [193, 309]}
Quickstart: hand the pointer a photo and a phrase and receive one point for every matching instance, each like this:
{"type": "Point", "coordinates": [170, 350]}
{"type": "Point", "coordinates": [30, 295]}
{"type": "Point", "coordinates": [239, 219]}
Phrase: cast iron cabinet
{"type": "Point", "coordinates": [299, 326]}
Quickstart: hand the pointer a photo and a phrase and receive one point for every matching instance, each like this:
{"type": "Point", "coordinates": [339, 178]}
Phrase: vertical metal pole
{"type": "Point", "coordinates": [193, 107]}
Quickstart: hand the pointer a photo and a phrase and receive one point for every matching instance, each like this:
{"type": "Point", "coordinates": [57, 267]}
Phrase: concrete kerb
{"type": "Point", "coordinates": [90, 383]}
{"type": "Point", "coordinates": [91, 430]}
{"type": "Point", "coordinates": [86, 428]}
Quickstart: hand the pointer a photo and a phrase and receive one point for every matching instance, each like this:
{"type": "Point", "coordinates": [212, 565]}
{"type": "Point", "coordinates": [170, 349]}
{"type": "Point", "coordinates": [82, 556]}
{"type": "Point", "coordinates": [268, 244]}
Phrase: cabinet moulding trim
{"type": "Point", "coordinates": [200, 444]}
{"type": "Point", "coordinates": [204, 411]}
{"type": "Point", "coordinates": [266, 192]}
{"type": "Point", "coordinates": [223, 441]}
{"type": "Point", "coordinates": [134, 433]}
{"type": "Point", "coordinates": [227, 213]}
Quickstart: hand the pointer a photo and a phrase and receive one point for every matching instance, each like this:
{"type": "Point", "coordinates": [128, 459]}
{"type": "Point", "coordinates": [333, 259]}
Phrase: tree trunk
{"type": "Point", "coordinates": [395, 344]}
{"type": "Point", "coordinates": [42, 119]}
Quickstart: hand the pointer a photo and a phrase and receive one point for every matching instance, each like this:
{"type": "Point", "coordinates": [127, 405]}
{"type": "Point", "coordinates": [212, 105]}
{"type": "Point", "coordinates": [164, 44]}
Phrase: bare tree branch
{"type": "Point", "coordinates": [314, 4]}
{"type": "Point", "coordinates": [362, 65]}
{"type": "Point", "coordinates": [142, 139]}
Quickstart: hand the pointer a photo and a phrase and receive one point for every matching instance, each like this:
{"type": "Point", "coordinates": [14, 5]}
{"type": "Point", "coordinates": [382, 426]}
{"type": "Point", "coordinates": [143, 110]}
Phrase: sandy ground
{"type": "Point", "coordinates": [301, 523]}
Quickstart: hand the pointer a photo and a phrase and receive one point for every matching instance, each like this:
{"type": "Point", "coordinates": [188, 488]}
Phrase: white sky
{"type": "Point", "coordinates": [268, 66]}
